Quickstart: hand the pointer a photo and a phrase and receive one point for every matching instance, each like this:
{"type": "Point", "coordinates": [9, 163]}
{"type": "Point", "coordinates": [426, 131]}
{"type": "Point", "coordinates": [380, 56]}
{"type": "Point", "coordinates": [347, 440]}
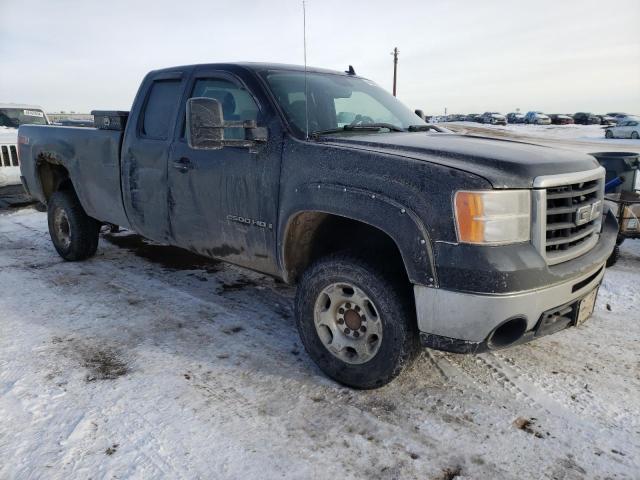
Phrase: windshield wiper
{"type": "Point", "coordinates": [372, 127]}
{"type": "Point", "coordinates": [426, 128]}
{"type": "Point", "coordinates": [388, 126]}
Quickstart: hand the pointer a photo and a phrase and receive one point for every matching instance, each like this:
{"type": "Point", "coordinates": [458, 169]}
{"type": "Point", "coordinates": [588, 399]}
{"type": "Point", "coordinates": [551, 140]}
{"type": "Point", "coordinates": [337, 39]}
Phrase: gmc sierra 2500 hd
{"type": "Point", "coordinates": [396, 232]}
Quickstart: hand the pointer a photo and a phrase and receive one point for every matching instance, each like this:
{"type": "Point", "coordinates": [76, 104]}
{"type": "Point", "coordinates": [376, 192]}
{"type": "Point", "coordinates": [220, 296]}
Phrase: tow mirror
{"type": "Point", "coordinates": [205, 127]}
{"type": "Point", "coordinates": [205, 123]}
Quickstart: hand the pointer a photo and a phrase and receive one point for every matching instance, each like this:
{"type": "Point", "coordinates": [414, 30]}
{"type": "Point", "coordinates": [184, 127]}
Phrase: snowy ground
{"type": "Point", "coordinates": [145, 362]}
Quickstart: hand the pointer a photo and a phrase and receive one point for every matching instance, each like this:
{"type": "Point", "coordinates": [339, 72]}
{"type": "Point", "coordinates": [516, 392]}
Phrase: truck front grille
{"type": "Point", "coordinates": [568, 214]}
{"type": "Point", "coordinates": [8, 156]}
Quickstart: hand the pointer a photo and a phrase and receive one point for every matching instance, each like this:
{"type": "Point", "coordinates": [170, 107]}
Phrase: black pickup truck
{"type": "Point", "coordinates": [396, 232]}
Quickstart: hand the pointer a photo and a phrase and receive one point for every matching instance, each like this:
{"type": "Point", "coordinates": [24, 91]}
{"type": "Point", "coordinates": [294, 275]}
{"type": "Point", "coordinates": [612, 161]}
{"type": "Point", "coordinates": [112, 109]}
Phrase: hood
{"type": "Point", "coordinates": [8, 135]}
{"type": "Point", "coordinates": [504, 163]}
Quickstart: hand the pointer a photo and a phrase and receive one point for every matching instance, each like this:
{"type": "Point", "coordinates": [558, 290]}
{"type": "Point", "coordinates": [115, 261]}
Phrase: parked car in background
{"type": "Point", "coordinates": [13, 115]}
{"type": "Point", "coordinates": [537, 118]}
{"type": "Point", "coordinates": [494, 118]}
{"type": "Point", "coordinates": [617, 116]}
{"type": "Point", "coordinates": [561, 119]}
{"type": "Point", "coordinates": [586, 118]}
{"type": "Point", "coordinates": [456, 118]}
{"type": "Point", "coordinates": [474, 117]}
{"type": "Point", "coordinates": [607, 120]}
{"type": "Point", "coordinates": [515, 117]}
{"type": "Point", "coordinates": [624, 129]}
{"type": "Point", "coordinates": [628, 117]}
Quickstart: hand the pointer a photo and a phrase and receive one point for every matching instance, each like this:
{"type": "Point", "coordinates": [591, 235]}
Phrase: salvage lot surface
{"type": "Point", "coordinates": [148, 362]}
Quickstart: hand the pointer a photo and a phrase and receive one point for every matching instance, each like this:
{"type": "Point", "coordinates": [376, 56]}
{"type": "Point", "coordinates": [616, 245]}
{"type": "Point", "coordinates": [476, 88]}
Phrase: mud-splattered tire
{"type": "Point", "coordinates": [74, 233]}
{"type": "Point", "coordinates": [613, 258]}
{"type": "Point", "coordinates": [332, 294]}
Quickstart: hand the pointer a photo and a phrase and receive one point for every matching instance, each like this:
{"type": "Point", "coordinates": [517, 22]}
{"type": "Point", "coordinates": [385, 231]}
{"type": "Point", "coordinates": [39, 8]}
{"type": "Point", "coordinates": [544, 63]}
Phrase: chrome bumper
{"type": "Point", "coordinates": [471, 317]}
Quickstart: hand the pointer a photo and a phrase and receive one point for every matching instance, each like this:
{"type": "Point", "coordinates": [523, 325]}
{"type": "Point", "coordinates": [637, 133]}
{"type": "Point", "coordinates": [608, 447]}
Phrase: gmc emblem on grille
{"type": "Point", "coordinates": [588, 213]}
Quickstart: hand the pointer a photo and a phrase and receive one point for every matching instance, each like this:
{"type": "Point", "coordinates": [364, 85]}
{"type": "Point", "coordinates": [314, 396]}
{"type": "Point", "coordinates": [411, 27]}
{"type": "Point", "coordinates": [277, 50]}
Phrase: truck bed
{"type": "Point", "coordinates": [90, 155]}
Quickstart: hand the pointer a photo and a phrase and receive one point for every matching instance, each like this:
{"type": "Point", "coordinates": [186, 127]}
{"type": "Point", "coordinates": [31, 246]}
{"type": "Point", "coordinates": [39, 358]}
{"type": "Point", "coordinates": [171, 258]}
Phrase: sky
{"type": "Point", "coordinates": [468, 56]}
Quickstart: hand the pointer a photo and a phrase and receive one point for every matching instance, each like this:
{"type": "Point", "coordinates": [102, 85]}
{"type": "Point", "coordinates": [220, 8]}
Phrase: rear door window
{"type": "Point", "coordinates": [160, 109]}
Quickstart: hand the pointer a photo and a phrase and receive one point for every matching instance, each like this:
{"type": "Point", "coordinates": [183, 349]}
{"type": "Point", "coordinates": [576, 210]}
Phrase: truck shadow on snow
{"type": "Point", "coordinates": [172, 258]}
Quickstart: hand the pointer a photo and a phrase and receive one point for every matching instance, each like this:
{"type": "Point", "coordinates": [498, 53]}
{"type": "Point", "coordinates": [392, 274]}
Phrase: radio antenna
{"type": "Point", "coordinates": [306, 89]}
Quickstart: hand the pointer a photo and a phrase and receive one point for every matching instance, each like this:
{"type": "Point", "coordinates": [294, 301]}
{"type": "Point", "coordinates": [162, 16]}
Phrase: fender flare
{"type": "Point", "coordinates": [391, 217]}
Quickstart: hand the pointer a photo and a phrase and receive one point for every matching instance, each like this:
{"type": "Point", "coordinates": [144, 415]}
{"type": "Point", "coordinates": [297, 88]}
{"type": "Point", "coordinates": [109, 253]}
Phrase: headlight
{"type": "Point", "coordinates": [493, 217]}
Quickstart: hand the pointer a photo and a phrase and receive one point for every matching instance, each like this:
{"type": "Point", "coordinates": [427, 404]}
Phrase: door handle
{"type": "Point", "coordinates": [183, 165]}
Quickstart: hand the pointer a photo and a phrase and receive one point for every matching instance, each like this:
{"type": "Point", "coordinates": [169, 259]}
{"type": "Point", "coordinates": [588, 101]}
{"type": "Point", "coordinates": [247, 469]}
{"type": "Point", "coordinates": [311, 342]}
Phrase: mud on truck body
{"type": "Point", "coordinates": [396, 232]}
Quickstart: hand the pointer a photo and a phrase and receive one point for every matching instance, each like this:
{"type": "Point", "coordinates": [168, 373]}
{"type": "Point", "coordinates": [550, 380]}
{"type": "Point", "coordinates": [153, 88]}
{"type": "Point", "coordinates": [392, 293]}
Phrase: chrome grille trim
{"type": "Point", "coordinates": [8, 155]}
{"type": "Point", "coordinates": [563, 239]}
{"type": "Point", "coordinates": [562, 179]}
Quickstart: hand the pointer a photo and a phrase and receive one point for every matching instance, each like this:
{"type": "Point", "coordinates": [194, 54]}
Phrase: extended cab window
{"type": "Point", "coordinates": [161, 108]}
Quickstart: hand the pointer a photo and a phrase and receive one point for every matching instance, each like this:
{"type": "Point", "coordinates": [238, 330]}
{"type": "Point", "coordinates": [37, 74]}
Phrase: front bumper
{"type": "Point", "coordinates": [463, 322]}
{"type": "Point", "coordinates": [462, 319]}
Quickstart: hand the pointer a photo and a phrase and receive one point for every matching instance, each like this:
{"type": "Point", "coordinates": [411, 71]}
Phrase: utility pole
{"type": "Point", "coordinates": [395, 68]}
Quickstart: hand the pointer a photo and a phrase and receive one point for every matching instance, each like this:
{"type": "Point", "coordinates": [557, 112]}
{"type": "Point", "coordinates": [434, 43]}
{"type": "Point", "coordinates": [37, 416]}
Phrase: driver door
{"type": "Point", "coordinates": [223, 203]}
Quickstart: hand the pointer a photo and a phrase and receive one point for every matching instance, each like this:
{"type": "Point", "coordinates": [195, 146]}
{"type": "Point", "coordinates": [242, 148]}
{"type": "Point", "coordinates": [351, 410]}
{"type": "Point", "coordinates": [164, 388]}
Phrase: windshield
{"type": "Point", "coordinates": [14, 117]}
{"type": "Point", "coordinates": [336, 101]}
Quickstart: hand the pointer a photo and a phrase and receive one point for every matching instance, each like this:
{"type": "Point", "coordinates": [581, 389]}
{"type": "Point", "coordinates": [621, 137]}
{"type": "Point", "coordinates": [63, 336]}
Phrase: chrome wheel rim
{"type": "Point", "coordinates": [348, 323]}
{"type": "Point", "coordinates": [62, 227]}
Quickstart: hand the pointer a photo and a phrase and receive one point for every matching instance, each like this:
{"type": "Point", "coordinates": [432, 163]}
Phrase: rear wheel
{"type": "Point", "coordinates": [74, 233]}
{"type": "Point", "coordinates": [355, 322]}
{"type": "Point", "coordinates": [608, 134]}
{"type": "Point", "coordinates": [634, 135]}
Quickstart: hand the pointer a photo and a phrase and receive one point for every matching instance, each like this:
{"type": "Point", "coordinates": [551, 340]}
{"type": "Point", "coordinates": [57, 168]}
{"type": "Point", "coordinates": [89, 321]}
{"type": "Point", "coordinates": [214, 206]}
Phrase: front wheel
{"type": "Point", "coordinates": [355, 322]}
{"type": "Point", "coordinates": [608, 134]}
{"type": "Point", "coordinates": [635, 135]}
{"type": "Point", "coordinates": [74, 233]}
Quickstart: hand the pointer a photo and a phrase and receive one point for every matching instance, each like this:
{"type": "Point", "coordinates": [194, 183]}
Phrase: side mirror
{"type": "Point", "coordinates": [205, 123]}
{"type": "Point", "coordinates": [420, 113]}
{"type": "Point", "coordinates": [205, 126]}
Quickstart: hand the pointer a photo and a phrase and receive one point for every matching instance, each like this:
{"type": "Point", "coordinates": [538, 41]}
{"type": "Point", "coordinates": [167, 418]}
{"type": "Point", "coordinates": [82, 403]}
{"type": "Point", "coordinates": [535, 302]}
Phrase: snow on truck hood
{"type": "Point", "coordinates": [504, 163]}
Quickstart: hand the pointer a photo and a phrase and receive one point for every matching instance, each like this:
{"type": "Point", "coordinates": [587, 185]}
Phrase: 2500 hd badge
{"type": "Point", "coordinates": [249, 221]}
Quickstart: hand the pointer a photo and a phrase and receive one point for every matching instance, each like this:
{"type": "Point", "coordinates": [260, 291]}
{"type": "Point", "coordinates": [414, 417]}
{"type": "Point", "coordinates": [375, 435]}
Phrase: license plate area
{"type": "Point", "coordinates": [586, 306]}
{"type": "Point", "coordinates": [564, 316]}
